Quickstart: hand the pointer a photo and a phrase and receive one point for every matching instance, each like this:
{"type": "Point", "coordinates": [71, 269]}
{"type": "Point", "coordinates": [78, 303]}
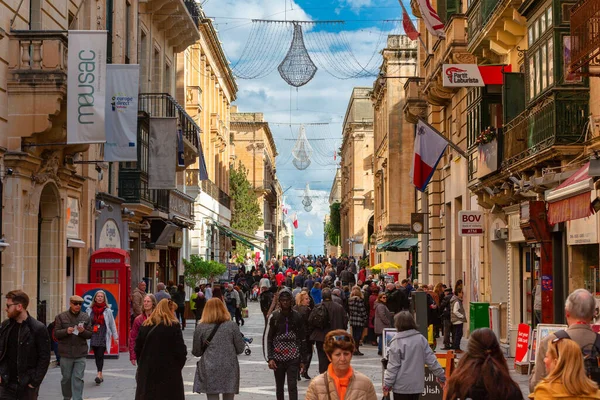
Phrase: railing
{"type": "Point", "coordinates": [585, 33]}
{"type": "Point", "coordinates": [181, 204]}
{"type": "Point", "coordinates": [43, 51]}
{"type": "Point", "coordinates": [479, 14]}
{"type": "Point", "coordinates": [194, 11]}
{"type": "Point", "coordinates": [546, 124]}
{"type": "Point", "coordinates": [160, 199]}
{"type": "Point", "coordinates": [413, 88]}
{"type": "Point", "coordinates": [192, 177]}
{"type": "Point", "coordinates": [216, 193]}
{"type": "Point", "coordinates": [133, 187]}
{"type": "Point", "coordinates": [164, 105]}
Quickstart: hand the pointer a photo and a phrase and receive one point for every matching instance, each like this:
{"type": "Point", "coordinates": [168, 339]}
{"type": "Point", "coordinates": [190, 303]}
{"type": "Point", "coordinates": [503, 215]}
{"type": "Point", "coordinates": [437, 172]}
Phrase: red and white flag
{"type": "Point", "coordinates": [432, 20]}
{"type": "Point", "coordinates": [429, 148]}
{"type": "Point", "coordinates": [295, 220]}
{"type": "Point", "coordinates": [407, 24]}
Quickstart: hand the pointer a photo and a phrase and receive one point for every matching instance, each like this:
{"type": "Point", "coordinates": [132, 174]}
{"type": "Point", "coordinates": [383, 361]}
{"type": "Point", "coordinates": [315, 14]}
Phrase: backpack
{"type": "Point", "coordinates": [229, 299]}
{"type": "Point", "coordinates": [200, 301]}
{"type": "Point", "coordinates": [591, 356]}
{"type": "Point", "coordinates": [319, 317]}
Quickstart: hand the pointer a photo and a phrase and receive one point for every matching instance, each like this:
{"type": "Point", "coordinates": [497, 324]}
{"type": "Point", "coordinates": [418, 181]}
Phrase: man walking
{"type": "Point", "coordinates": [232, 300]}
{"type": "Point", "coordinates": [24, 350]}
{"type": "Point", "coordinates": [161, 292]}
{"type": "Point", "coordinates": [446, 313]}
{"type": "Point", "coordinates": [285, 346]}
{"type": "Point", "coordinates": [334, 317]}
{"type": "Point", "coordinates": [72, 328]}
{"type": "Point", "coordinates": [137, 298]}
{"type": "Point", "coordinates": [458, 318]}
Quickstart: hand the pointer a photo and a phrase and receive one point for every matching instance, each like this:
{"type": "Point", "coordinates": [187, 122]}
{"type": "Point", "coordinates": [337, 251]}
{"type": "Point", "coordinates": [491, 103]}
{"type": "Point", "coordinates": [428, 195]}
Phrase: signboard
{"type": "Point", "coordinates": [109, 236]}
{"type": "Point", "coordinates": [432, 389]}
{"type": "Point", "coordinates": [73, 218]}
{"type": "Point", "coordinates": [522, 349]}
{"type": "Point", "coordinates": [470, 223]}
{"type": "Point", "coordinates": [540, 334]}
{"type": "Point", "coordinates": [472, 75]}
{"type": "Point", "coordinates": [87, 292]}
{"type": "Point", "coordinates": [583, 230]}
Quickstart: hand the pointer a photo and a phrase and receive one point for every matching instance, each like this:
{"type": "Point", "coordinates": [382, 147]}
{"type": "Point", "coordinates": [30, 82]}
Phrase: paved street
{"type": "Point", "coordinates": [256, 383]}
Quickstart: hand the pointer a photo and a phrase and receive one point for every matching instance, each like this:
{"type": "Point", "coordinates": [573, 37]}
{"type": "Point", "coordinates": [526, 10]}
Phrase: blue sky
{"type": "Point", "coordinates": [323, 100]}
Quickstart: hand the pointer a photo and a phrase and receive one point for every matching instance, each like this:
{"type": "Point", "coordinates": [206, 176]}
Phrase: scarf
{"type": "Point", "coordinates": [341, 383]}
{"type": "Point", "coordinates": [98, 311]}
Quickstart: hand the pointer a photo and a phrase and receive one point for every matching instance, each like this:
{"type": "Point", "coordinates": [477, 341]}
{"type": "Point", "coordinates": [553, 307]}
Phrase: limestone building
{"type": "Point", "coordinates": [335, 196]}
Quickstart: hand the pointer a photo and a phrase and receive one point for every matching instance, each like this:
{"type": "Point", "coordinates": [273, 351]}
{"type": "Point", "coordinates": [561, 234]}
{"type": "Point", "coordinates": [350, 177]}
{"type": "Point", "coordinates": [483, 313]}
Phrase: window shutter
{"type": "Point", "coordinates": [513, 95]}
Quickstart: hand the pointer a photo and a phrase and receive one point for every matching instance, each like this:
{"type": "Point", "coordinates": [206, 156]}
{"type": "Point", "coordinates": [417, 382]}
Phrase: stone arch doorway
{"type": "Point", "coordinates": [49, 282]}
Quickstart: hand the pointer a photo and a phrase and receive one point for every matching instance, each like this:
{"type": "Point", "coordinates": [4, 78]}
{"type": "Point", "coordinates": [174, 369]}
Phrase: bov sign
{"type": "Point", "coordinates": [86, 87]}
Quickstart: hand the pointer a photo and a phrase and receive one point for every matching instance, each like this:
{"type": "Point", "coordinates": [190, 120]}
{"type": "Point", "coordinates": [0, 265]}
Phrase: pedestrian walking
{"type": "Point", "coordinates": [239, 317]}
{"type": "Point", "coordinates": [199, 304]}
{"type": "Point", "coordinates": [217, 341]}
{"type": "Point", "coordinates": [372, 302]}
{"type": "Point", "coordinates": [446, 314]}
{"type": "Point", "coordinates": [438, 296]}
{"type": "Point", "coordinates": [265, 300]}
{"type": "Point", "coordinates": [179, 298]}
{"type": "Point", "coordinates": [358, 317]}
{"type": "Point", "coordinates": [286, 346]}
{"type": "Point", "coordinates": [232, 300]}
{"type": "Point", "coordinates": [458, 318]}
{"type": "Point", "coordinates": [73, 328]}
{"type": "Point", "coordinates": [340, 380]}
{"type": "Point", "coordinates": [103, 331]}
{"type": "Point", "coordinates": [161, 354]}
{"type": "Point", "coordinates": [53, 342]}
{"type": "Point", "coordinates": [316, 293]}
{"type": "Point", "coordinates": [408, 353]}
{"type": "Point", "coordinates": [482, 373]}
{"type": "Point", "coordinates": [161, 293]}
{"type": "Point", "coordinates": [193, 298]}
{"type": "Point", "coordinates": [148, 306]}
{"type": "Point", "coordinates": [383, 319]}
{"type": "Point", "coordinates": [566, 377]}
{"type": "Point", "coordinates": [137, 299]}
{"type": "Point", "coordinates": [24, 350]}
{"type": "Point", "coordinates": [303, 308]}
{"type": "Point", "coordinates": [324, 318]}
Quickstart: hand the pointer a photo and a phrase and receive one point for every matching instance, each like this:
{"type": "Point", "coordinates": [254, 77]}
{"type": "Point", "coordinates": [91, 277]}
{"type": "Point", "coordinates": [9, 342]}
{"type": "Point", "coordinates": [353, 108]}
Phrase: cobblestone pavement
{"type": "Point", "coordinates": [257, 381]}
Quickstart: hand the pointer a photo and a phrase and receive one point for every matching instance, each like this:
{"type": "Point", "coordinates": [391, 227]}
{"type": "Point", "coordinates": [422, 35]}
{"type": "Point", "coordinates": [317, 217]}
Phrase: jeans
{"type": "Point", "coordinates": [447, 330]}
{"type": "Point", "coordinates": [457, 333]}
{"type": "Point", "coordinates": [323, 360]}
{"type": "Point", "coordinates": [13, 392]}
{"type": "Point", "coordinates": [404, 396]}
{"type": "Point", "coordinates": [289, 369]}
{"type": "Point", "coordinates": [357, 334]}
{"type": "Point", "coordinates": [309, 349]}
{"type": "Point", "coordinates": [179, 313]}
{"type": "Point", "coordinates": [72, 370]}
{"type": "Point", "coordinates": [226, 396]}
{"type": "Point", "coordinates": [55, 350]}
{"type": "Point", "coordinates": [99, 357]}
{"type": "Point", "coordinates": [238, 316]}
{"type": "Point", "coordinates": [380, 343]}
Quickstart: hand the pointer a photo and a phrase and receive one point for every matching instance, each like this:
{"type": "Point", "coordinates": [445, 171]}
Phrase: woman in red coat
{"type": "Point", "coordinates": [372, 300]}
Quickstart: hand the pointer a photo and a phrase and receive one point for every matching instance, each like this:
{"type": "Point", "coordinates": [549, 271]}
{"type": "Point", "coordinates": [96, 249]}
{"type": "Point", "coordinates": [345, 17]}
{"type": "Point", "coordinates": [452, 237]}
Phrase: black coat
{"type": "Point", "coordinates": [161, 356]}
{"type": "Point", "coordinates": [33, 353]}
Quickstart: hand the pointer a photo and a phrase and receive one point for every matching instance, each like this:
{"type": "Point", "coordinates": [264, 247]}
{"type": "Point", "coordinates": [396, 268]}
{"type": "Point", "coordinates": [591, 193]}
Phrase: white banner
{"type": "Point", "coordinates": [163, 153]}
{"type": "Point", "coordinates": [122, 82]}
{"type": "Point", "coordinates": [86, 87]}
{"type": "Point", "coordinates": [461, 75]}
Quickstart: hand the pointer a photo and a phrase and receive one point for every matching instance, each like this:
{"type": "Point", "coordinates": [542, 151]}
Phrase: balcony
{"type": "Point", "coordinates": [218, 132]}
{"type": "Point", "coordinates": [495, 27]}
{"type": "Point", "coordinates": [585, 37]}
{"type": "Point", "coordinates": [415, 105]}
{"type": "Point", "coordinates": [163, 105]}
{"type": "Point", "coordinates": [178, 19]}
{"type": "Point", "coordinates": [37, 85]}
{"type": "Point", "coordinates": [213, 191]}
{"type": "Point", "coordinates": [181, 206]}
{"type": "Point", "coordinates": [554, 121]}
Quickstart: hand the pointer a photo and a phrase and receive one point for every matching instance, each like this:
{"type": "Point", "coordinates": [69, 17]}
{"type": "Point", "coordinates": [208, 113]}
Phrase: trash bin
{"type": "Point", "coordinates": [494, 314]}
{"type": "Point", "coordinates": [479, 316]}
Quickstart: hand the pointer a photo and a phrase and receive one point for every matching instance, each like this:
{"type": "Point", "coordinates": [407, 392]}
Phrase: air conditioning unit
{"type": "Point", "coordinates": [500, 234]}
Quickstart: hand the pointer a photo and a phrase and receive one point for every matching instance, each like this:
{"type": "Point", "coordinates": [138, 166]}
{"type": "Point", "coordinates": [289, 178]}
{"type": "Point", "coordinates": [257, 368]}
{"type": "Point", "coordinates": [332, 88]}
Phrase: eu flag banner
{"type": "Point", "coordinates": [122, 82]}
{"type": "Point", "coordinates": [86, 87]}
{"type": "Point", "coordinates": [162, 162]}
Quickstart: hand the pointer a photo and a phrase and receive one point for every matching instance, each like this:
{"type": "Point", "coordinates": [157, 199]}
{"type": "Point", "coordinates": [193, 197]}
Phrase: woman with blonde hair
{"type": "Point", "coordinates": [104, 330]}
{"type": "Point", "coordinates": [218, 341]}
{"type": "Point", "coordinates": [566, 374]}
{"type": "Point", "coordinates": [383, 318]}
{"type": "Point", "coordinates": [148, 306]}
{"type": "Point", "coordinates": [161, 354]}
{"type": "Point", "coordinates": [303, 308]}
{"type": "Point", "coordinates": [358, 317]}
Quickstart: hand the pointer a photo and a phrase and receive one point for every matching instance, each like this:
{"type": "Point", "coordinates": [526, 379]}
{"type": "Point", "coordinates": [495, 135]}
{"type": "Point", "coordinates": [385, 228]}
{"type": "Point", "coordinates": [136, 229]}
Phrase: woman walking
{"type": "Point", "coordinates": [148, 305]}
{"type": "Point", "coordinates": [316, 293]}
{"type": "Point", "coordinates": [408, 353]}
{"type": "Point", "coordinates": [358, 317]}
{"type": "Point", "coordinates": [218, 341]}
{"type": "Point", "coordinates": [104, 329]}
{"type": "Point", "coordinates": [303, 307]}
{"type": "Point", "coordinates": [160, 352]}
{"type": "Point", "coordinates": [179, 299]}
{"type": "Point", "coordinates": [340, 381]}
{"type": "Point", "coordinates": [372, 301]}
{"type": "Point", "coordinates": [383, 319]}
{"type": "Point", "coordinates": [239, 317]}
{"type": "Point", "coordinates": [482, 373]}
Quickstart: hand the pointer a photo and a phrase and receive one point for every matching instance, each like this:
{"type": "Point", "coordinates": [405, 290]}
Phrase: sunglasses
{"type": "Point", "coordinates": [341, 338]}
{"type": "Point", "coordinates": [77, 303]}
{"type": "Point", "coordinates": [555, 342]}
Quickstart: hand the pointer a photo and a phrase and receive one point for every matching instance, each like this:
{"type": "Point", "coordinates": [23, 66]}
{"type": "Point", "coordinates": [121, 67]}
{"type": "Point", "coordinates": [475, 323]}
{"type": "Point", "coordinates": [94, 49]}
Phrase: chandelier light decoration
{"type": "Point", "coordinates": [302, 151]}
{"type": "Point", "coordinates": [297, 69]}
{"type": "Point", "coordinates": [309, 231]}
{"type": "Point", "coordinates": [307, 201]}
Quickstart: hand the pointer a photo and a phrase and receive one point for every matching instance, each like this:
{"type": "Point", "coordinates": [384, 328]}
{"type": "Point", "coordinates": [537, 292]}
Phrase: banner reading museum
{"type": "Point", "coordinates": [86, 87]}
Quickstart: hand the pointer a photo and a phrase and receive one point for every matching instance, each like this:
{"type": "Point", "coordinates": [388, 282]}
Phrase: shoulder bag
{"type": "Point", "coordinates": [205, 343]}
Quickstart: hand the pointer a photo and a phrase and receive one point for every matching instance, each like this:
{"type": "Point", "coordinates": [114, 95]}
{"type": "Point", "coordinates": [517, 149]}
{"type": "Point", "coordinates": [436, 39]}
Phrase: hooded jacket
{"type": "Point", "coordinates": [407, 355]}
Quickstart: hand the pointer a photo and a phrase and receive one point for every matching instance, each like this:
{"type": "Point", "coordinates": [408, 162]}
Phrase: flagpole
{"type": "Point", "coordinates": [450, 143]}
{"type": "Point", "coordinates": [420, 38]}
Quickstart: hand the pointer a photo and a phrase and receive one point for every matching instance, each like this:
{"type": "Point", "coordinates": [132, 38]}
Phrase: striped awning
{"type": "Point", "coordinates": [398, 245]}
{"type": "Point", "coordinates": [571, 199]}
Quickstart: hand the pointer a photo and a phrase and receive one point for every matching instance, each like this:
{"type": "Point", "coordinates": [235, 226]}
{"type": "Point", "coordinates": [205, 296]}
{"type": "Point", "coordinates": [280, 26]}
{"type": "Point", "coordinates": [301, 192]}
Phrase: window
{"type": "Point", "coordinates": [167, 78]}
{"type": "Point", "coordinates": [143, 61]}
{"type": "Point", "coordinates": [127, 33]}
{"type": "Point", "coordinates": [540, 54]}
{"type": "Point", "coordinates": [156, 66]}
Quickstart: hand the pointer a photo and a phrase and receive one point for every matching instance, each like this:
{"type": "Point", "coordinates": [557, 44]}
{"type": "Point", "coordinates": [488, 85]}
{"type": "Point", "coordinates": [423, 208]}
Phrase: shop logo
{"type": "Point", "coordinates": [120, 102]}
{"type": "Point", "coordinates": [110, 300]}
{"type": "Point", "coordinates": [453, 70]}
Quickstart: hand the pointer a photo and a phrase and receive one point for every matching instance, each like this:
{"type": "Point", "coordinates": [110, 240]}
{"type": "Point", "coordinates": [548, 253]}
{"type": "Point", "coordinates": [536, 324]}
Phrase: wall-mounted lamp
{"type": "Point", "coordinates": [3, 245]}
{"type": "Point", "coordinates": [102, 205]}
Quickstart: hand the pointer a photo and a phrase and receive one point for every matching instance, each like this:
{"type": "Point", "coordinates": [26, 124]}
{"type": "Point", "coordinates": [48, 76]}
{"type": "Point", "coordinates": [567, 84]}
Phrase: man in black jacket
{"type": "Point", "coordinates": [337, 319]}
{"type": "Point", "coordinates": [445, 312]}
{"type": "Point", "coordinates": [396, 299]}
{"type": "Point", "coordinates": [24, 350]}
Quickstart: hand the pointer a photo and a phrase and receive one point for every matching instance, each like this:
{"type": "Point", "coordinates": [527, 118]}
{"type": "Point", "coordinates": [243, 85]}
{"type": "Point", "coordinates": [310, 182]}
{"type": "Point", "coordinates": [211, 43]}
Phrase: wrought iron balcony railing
{"type": "Point", "coordinates": [216, 193]}
{"type": "Point", "coordinates": [585, 34]}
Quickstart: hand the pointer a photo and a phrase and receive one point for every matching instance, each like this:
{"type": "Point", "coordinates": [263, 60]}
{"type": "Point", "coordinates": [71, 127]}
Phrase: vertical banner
{"type": "Point", "coordinates": [163, 153]}
{"type": "Point", "coordinates": [86, 87]}
{"type": "Point", "coordinates": [122, 82]}
{"type": "Point", "coordinates": [180, 150]}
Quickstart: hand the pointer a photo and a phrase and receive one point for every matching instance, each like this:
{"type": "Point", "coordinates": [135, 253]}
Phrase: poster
{"type": "Point", "coordinates": [540, 334]}
{"type": "Point", "coordinates": [86, 87]}
{"type": "Point", "coordinates": [522, 348]}
{"type": "Point", "coordinates": [388, 334]}
{"type": "Point", "coordinates": [87, 292]}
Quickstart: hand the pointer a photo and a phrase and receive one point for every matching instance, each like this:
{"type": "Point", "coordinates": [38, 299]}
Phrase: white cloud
{"type": "Point", "coordinates": [356, 5]}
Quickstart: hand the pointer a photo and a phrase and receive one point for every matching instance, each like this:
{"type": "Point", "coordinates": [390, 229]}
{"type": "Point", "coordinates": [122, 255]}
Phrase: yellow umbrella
{"type": "Point", "coordinates": [384, 266]}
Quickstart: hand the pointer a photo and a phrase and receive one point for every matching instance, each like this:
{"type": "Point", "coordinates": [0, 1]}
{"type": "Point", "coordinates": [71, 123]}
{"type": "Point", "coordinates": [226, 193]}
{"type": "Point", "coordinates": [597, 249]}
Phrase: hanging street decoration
{"type": "Point", "coordinates": [302, 151]}
{"type": "Point", "coordinates": [297, 69]}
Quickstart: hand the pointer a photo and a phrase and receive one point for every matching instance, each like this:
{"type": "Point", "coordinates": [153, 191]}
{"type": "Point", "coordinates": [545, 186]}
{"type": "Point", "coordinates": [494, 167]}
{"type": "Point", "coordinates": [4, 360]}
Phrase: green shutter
{"type": "Point", "coordinates": [452, 7]}
{"type": "Point", "coordinates": [513, 95]}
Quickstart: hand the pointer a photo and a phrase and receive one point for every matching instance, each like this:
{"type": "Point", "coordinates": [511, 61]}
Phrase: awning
{"type": "Point", "coordinates": [398, 245]}
{"type": "Point", "coordinates": [75, 243]}
{"type": "Point", "coordinates": [229, 233]}
{"type": "Point", "coordinates": [571, 199]}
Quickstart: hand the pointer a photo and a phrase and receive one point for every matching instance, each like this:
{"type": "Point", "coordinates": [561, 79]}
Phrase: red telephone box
{"type": "Point", "coordinates": [112, 266]}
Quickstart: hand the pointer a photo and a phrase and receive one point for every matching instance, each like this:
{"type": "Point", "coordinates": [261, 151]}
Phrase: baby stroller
{"type": "Point", "coordinates": [255, 292]}
{"type": "Point", "coordinates": [247, 342]}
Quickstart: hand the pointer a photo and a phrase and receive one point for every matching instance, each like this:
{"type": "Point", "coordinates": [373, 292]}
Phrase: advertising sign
{"type": "Point", "coordinates": [73, 218]}
{"type": "Point", "coordinates": [461, 75]}
{"type": "Point", "coordinates": [523, 335]}
{"type": "Point", "coordinates": [109, 236]}
{"type": "Point", "coordinates": [87, 292]}
{"type": "Point", "coordinates": [86, 87]}
{"type": "Point", "coordinates": [470, 223]}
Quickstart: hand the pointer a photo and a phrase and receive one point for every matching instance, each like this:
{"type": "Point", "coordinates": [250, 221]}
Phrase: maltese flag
{"type": "Point", "coordinates": [295, 220]}
{"type": "Point", "coordinates": [429, 148]}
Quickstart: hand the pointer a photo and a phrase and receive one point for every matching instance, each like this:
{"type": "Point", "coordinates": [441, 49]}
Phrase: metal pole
{"type": "Point", "coordinates": [450, 143]}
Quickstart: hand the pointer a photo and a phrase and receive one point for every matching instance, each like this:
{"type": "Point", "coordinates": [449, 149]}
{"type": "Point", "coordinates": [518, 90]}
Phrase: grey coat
{"type": "Point", "coordinates": [383, 318]}
{"type": "Point", "coordinates": [218, 370]}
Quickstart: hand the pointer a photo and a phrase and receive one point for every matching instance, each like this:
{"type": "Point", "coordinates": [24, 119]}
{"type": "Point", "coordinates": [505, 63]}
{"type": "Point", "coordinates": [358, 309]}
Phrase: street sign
{"type": "Point", "coordinates": [470, 223]}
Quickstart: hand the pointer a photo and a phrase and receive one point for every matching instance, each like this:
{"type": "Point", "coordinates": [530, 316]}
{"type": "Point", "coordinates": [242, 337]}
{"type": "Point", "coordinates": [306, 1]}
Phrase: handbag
{"type": "Point", "coordinates": [206, 342]}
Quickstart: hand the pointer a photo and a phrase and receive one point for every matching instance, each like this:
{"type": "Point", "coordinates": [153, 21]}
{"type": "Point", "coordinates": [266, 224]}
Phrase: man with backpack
{"type": "Point", "coordinates": [325, 317]}
{"type": "Point", "coordinates": [579, 311]}
{"type": "Point", "coordinates": [445, 314]}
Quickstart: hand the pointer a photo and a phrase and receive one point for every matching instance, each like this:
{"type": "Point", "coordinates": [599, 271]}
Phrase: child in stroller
{"type": "Point", "coordinates": [255, 292]}
{"type": "Point", "coordinates": [247, 342]}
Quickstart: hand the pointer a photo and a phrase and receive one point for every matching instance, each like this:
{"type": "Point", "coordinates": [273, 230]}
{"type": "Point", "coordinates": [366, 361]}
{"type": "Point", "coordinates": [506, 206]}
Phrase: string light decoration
{"type": "Point", "coordinates": [302, 151]}
{"type": "Point", "coordinates": [307, 201]}
{"type": "Point", "coordinates": [297, 69]}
